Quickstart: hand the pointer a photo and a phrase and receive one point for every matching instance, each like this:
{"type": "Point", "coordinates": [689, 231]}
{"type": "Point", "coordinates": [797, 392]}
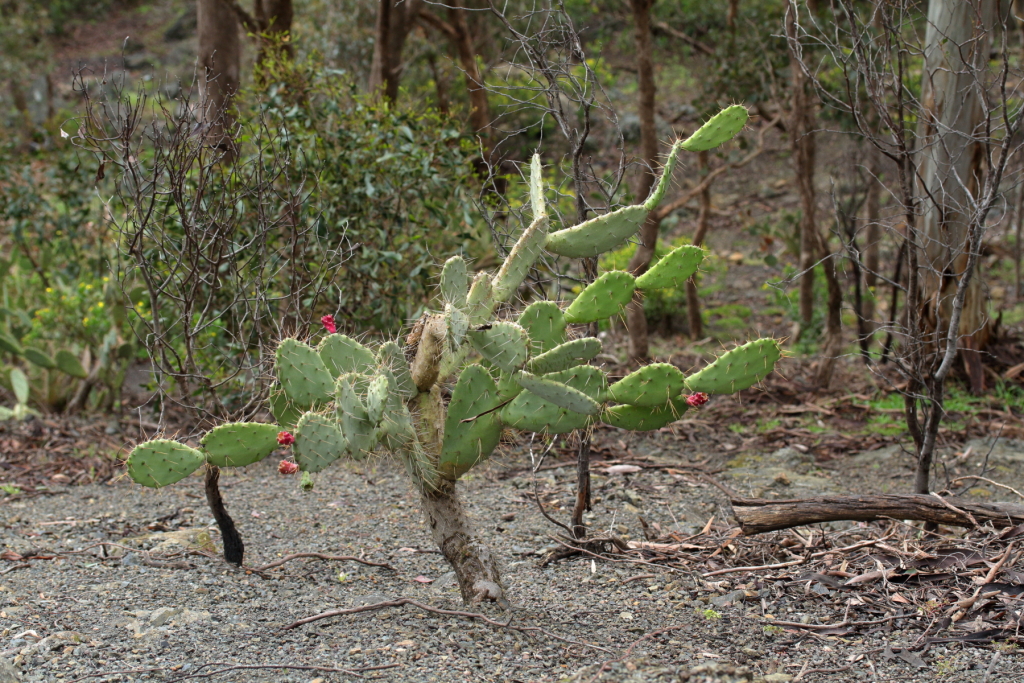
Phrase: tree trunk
{"type": "Point", "coordinates": [380, 66]}
{"type": "Point", "coordinates": [636, 320]}
{"type": "Point", "coordinates": [957, 43]}
{"type": "Point", "coordinates": [872, 237]}
{"type": "Point", "coordinates": [234, 549]}
{"type": "Point", "coordinates": [758, 516]}
{"type": "Point", "coordinates": [832, 347]}
{"type": "Point", "coordinates": [275, 23]}
{"type": "Point", "coordinates": [395, 18]}
{"type": "Point", "coordinates": [696, 322]}
{"type": "Point", "coordinates": [220, 53]}
{"type": "Point", "coordinates": [475, 567]}
{"type": "Point", "coordinates": [802, 141]}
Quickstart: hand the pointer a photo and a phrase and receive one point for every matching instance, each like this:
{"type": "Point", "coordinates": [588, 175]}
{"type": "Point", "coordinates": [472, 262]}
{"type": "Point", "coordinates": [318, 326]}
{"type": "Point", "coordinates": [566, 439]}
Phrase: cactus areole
{"type": "Point", "coordinates": [343, 400]}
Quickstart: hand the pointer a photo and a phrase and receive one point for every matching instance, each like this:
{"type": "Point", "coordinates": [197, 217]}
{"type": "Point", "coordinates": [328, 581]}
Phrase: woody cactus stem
{"type": "Point", "coordinates": [234, 549]}
{"type": "Point", "coordinates": [344, 400]}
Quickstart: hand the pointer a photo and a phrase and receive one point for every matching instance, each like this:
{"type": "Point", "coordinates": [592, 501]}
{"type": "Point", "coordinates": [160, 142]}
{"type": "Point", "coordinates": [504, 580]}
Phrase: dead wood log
{"type": "Point", "coordinates": [757, 516]}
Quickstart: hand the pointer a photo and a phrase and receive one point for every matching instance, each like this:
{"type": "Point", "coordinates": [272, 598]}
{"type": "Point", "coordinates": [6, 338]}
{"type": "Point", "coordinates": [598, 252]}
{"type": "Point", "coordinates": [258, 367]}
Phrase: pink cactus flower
{"type": "Point", "coordinates": [285, 438]}
{"type": "Point", "coordinates": [287, 467]}
{"type": "Point", "coordinates": [697, 400]}
{"type": "Point", "coordinates": [328, 322]}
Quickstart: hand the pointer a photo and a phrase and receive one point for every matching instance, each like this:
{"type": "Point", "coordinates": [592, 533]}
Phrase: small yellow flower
{"type": "Point", "coordinates": [85, 321]}
{"type": "Point", "coordinates": [99, 305]}
{"type": "Point", "coordinates": [49, 290]}
{"type": "Point", "coordinates": [106, 279]}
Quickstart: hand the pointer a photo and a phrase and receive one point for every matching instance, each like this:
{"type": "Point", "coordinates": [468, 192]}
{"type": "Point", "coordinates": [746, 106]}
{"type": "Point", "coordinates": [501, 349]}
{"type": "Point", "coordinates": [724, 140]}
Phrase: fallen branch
{"type": "Point", "coordinates": [319, 556]}
{"type": "Point", "coordinates": [733, 570]}
{"type": "Point", "coordinates": [757, 516]}
{"type": "Point", "coordinates": [437, 610]}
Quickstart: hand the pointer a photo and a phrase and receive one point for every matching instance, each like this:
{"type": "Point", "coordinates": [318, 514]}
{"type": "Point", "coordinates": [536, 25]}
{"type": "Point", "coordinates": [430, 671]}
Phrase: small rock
{"type": "Point", "coordinates": [783, 479]}
{"type": "Point", "coordinates": [778, 678]}
{"type": "Point", "coordinates": [161, 616]}
{"type": "Point", "coordinates": [729, 598]}
{"type": "Point", "coordinates": [8, 674]}
{"type": "Point", "coordinates": [131, 560]}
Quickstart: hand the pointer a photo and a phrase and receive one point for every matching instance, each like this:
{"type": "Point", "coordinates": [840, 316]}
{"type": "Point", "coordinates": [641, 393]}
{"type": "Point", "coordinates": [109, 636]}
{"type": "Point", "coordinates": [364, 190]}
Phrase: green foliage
{"type": "Point", "coordinates": [395, 182]}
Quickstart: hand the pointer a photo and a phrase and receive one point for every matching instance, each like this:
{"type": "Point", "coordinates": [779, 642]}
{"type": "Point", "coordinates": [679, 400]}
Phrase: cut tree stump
{"type": "Point", "coordinates": [757, 515]}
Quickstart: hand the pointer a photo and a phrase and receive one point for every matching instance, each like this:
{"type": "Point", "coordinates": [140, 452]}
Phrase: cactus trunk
{"type": "Point", "coordinates": [475, 567]}
{"type": "Point", "coordinates": [234, 549]}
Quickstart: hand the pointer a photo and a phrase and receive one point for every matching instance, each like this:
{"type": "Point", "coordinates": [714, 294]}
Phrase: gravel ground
{"type": "Point", "coordinates": [65, 618]}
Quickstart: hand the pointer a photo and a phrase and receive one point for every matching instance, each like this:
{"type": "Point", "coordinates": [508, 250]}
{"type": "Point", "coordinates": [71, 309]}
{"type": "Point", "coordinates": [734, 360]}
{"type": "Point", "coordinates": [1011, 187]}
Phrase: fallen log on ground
{"type": "Point", "coordinates": [757, 515]}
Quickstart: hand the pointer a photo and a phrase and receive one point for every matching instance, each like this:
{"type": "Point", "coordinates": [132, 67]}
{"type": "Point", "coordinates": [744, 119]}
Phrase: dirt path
{"type": "Point", "coordinates": [117, 614]}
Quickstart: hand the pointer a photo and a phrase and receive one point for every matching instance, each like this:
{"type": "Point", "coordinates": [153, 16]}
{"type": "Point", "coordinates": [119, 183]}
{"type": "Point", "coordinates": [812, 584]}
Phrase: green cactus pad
{"type": "Point", "coordinates": [532, 413]}
{"type": "Point", "coordinates": [39, 358]}
{"type": "Point", "coordinates": [302, 374]}
{"type": "Point", "coordinates": [161, 462]}
{"type": "Point", "coordinates": [545, 323]}
{"type": "Point", "coordinates": [644, 418]}
{"type": "Point", "coordinates": [397, 433]}
{"type": "Point", "coordinates": [238, 444]}
{"type": "Point", "coordinates": [457, 324]}
{"type": "Point", "coordinates": [472, 428]}
{"type": "Point", "coordinates": [673, 270]}
{"type": "Point", "coordinates": [503, 344]}
{"type": "Point", "coordinates": [560, 394]}
{"type": "Point", "coordinates": [376, 398]}
{"type": "Point", "coordinates": [391, 356]}
{"type": "Point", "coordinates": [284, 411]}
{"type": "Point", "coordinates": [508, 387]}
{"type": "Point", "coordinates": [738, 369]}
{"type": "Point", "coordinates": [480, 301]}
{"type": "Point", "coordinates": [356, 423]}
{"type": "Point", "coordinates": [565, 355]}
{"type": "Point", "coordinates": [10, 344]}
{"type": "Point", "coordinates": [318, 442]}
{"type": "Point", "coordinates": [454, 282]}
{"type": "Point", "coordinates": [602, 298]}
{"type": "Point", "coordinates": [597, 235]}
{"type": "Point", "coordinates": [652, 385]}
{"type": "Point", "coordinates": [342, 354]}
{"type": "Point", "coordinates": [519, 261]}
{"type": "Point", "coordinates": [20, 385]}
{"type": "Point", "coordinates": [69, 364]}
{"type": "Point", "coordinates": [537, 187]}
{"type": "Point", "coordinates": [720, 128]}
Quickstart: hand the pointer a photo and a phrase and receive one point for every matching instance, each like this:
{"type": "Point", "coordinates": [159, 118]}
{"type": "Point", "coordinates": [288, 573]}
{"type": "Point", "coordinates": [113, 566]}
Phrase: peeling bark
{"type": "Point", "coordinates": [475, 567]}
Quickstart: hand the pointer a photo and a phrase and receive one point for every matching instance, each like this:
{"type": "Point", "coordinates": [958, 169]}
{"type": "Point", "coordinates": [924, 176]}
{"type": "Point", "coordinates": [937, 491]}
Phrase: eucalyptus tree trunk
{"type": "Point", "coordinates": [957, 42]}
{"type": "Point", "coordinates": [636, 320]}
{"type": "Point", "coordinates": [220, 53]}
{"type": "Point", "coordinates": [802, 141]}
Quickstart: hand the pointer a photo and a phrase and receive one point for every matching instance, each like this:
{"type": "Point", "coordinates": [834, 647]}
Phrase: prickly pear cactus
{"type": "Point", "coordinates": [502, 372]}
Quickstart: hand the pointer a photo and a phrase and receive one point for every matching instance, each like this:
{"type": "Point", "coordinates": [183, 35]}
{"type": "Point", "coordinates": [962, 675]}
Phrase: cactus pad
{"type": "Point", "coordinates": [342, 354]}
{"type": "Point", "coordinates": [161, 462]}
{"type": "Point", "coordinates": [10, 344]}
{"type": "Point", "coordinates": [302, 374]}
{"type": "Point", "coordinates": [720, 128]}
{"type": "Point", "coordinates": [318, 442]}
{"type": "Point", "coordinates": [598, 235]}
{"type": "Point", "coordinates": [472, 428]}
{"type": "Point", "coordinates": [652, 385]}
{"type": "Point", "coordinates": [69, 364]}
{"type": "Point", "coordinates": [673, 270]}
{"type": "Point", "coordinates": [284, 411]}
{"type": "Point", "coordinates": [560, 394]}
{"type": "Point", "coordinates": [644, 418]}
{"type": "Point", "coordinates": [602, 298]}
{"type": "Point", "coordinates": [390, 356]}
{"type": "Point", "coordinates": [456, 323]}
{"type": "Point", "coordinates": [37, 357]}
{"type": "Point", "coordinates": [565, 355]}
{"type": "Point", "coordinates": [19, 384]}
{"type": "Point", "coordinates": [532, 413]}
{"type": "Point", "coordinates": [376, 398]}
{"type": "Point", "coordinates": [238, 444]}
{"type": "Point", "coordinates": [454, 282]}
{"type": "Point", "coordinates": [503, 344]}
{"type": "Point", "coordinates": [545, 323]}
{"type": "Point", "coordinates": [519, 261]}
{"type": "Point", "coordinates": [480, 301]}
{"type": "Point", "coordinates": [738, 369]}
{"type": "Point", "coordinates": [356, 424]}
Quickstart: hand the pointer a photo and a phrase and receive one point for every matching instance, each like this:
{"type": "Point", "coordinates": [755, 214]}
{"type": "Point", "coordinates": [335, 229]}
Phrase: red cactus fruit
{"type": "Point", "coordinates": [697, 400]}
{"type": "Point", "coordinates": [287, 467]}
{"type": "Point", "coordinates": [285, 438]}
{"type": "Point", "coordinates": [328, 322]}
